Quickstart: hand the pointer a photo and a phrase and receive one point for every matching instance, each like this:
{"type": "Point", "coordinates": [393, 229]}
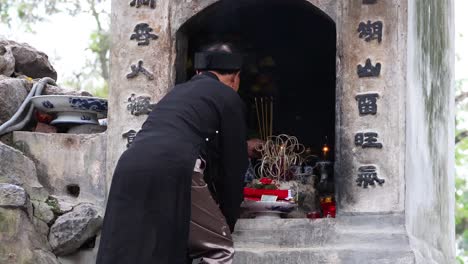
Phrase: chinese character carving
{"type": "Point", "coordinates": [367, 140]}
{"type": "Point", "coordinates": [130, 136]}
{"type": "Point", "coordinates": [367, 175]}
{"type": "Point", "coordinates": [143, 34]}
{"type": "Point", "coordinates": [369, 2]}
{"type": "Point", "coordinates": [139, 105]}
{"type": "Point", "coordinates": [137, 69]}
{"type": "Point", "coordinates": [367, 103]}
{"type": "Point", "coordinates": [139, 3]}
{"type": "Point", "coordinates": [371, 31]}
{"type": "Point", "coordinates": [368, 70]}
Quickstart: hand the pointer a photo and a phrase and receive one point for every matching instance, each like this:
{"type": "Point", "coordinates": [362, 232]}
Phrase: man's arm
{"type": "Point", "coordinates": [234, 160]}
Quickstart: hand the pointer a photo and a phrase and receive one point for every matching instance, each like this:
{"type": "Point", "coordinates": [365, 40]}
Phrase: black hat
{"type": "Point", "coordinates": [217, 60]}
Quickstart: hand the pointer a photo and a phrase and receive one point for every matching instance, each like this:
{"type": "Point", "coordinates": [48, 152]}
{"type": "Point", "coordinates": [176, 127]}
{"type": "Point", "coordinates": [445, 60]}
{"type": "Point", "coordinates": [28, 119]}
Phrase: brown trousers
{"type": "Point", "coordinates": [210, 238]}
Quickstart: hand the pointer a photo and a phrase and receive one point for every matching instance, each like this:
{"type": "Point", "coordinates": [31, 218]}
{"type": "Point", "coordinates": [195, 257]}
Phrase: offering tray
{"type": "Point", "coordinates": [268, 210]}
{"type": "Point", "coordinates": [72, 109]}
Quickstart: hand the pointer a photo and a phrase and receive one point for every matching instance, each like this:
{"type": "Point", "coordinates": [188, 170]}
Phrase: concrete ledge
{"type": "Point", "coordinates": [67, 159]}
{"type": "Point", "coordinates": [346, 239]}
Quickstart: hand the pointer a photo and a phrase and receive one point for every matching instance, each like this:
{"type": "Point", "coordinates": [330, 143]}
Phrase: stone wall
{"type": "Point", "coordinates": [430, 131]}
{"type": "Point", "coordinates": [67, 160]}
{"type": "Point", "coordinates": [389, 119]}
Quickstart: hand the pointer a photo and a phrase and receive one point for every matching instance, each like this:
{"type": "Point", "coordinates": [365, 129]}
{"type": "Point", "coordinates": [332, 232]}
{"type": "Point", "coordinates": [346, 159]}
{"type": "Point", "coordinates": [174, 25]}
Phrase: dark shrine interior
{"type": "Point", "coordinates": [290, 52]}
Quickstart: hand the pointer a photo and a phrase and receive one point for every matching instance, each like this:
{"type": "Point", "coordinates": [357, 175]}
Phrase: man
{"type": "Point", "coordinates": [149, 205]}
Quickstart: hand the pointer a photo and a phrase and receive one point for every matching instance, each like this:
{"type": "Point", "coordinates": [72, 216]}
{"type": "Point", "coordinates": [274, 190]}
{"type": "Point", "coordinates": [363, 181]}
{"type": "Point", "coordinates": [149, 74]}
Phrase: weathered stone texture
{"type": "Point", "coordinates": [68, 159]}
{"type": "Point", "coordinates": [72, 229]}
{"type": "Point", "coordinates": [43, 211]}
{"type": "Point", "coordinates": [390, 118]}
{"type": "Point", "coordinates": [20, 170]}
{"type": "Point", "coordinates": [7, 61]}
{"type": "Point", "coordinates": [13, 196]}
{"type": "Point", "coordinates": [430, 131]}
{"type": "Point", "coordinates": [29, 61]}
{"type": "Point", "coordinates": [56, 90]}
{"type": "Point", "coordinates": [354, 239]}
{"type": "Point", "coordinates": [87, 129]}
{"type": "Point", "coordinates": [12, 94]}
{"type": "Point", "coordinates": [20, 242]}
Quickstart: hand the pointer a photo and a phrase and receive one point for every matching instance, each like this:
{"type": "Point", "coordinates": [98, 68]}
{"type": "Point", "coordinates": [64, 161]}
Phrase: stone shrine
{"type": "Point", "coordinates": [384, 96]}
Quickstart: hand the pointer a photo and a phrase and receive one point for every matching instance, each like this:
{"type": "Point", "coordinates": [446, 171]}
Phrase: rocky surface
{"type": "Point", "coordinates": [12, 94]}
{"type": "Point", "coordinates": [87, 129]}
{"type": "Point", "coordinates": [73, 229]}
{"type": "Point", "coordinates": [13, 196]}
{"type": "Point", "coordinates": [19, 170]}
{"type": "Point", "coordinates": [7, 61]}
{"type": "Point", "coordinates": [55, 90]}
{"type": "Point", "coordinates": [29, 61]}
{"type": "Point", "coordinates": [43, 211]}
{"type": "Point", "coordinates": [20, 242]}
{"type": "Point", "coordinates": [61, 204]}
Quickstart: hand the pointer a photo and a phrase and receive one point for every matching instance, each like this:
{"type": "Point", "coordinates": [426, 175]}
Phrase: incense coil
{"type": "Point", "coordinates": [279, 153]}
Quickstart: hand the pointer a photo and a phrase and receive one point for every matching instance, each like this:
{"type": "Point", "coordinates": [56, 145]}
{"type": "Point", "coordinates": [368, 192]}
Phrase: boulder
{"type": "Point", "coordinates": [61, 204]}
{"type": "Point", "coordinates": [7, 61]}
{"type": "Point", "coordinates": [29, 61]}
{"type": "Point", "coordinates": [87, 129]}
{"type": "Point", "coordinates": [43, 211]}
{"type": "Point", "coordinates": [13, 196]}
{"type": "Point", "coordinates": [55, 90]}
{"type": "Point", "coordinates": [20, 242]}
{"type": "Point", "coordinates": [17, 169]}
{"type": "Point", "coordinates": [41, 227]}
{"type": "Point", "coordinates": [12, 94]}
{"type": "Point", "coordinates": [44, 257]}
{"type": "Point", "coordinates": [73, 229]}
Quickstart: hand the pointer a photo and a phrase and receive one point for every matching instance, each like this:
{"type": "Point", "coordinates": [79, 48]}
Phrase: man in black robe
{"type": "Point", "coordinates": [149, 205]}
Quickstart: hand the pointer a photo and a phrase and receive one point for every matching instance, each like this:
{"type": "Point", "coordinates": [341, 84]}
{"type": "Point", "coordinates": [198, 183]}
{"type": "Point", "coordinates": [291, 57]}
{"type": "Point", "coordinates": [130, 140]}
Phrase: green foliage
{"type": "Point", "coordinates": [99, 41]}
{"type": "Point", "coordinates": [461, 186]}
{"type": "Point", "coordinates": [29, 12]}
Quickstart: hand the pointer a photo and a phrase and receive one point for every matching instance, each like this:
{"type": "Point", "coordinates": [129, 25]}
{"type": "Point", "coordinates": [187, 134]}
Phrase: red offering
{"type": "Point", "coordinates": [328, 208]}
{"type": "Point", "coordinates": [43, 117]}
{"type": "Point", "coordinates": [257, 193]}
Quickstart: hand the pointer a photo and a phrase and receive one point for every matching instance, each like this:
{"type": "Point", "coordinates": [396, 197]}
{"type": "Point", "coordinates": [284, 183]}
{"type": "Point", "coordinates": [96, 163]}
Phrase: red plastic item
{"type": "Point", "coordinates": [251, 192]}
{"type": "Point", "coordinates": [329, 209]}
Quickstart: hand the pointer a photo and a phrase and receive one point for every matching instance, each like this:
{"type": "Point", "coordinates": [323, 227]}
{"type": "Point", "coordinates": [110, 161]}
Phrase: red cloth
{"type": "Point", "coordinates": [257, 193]}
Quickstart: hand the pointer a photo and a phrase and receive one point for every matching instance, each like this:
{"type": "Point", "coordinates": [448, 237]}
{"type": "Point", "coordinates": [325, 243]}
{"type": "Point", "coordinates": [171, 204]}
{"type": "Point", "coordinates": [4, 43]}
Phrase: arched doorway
{"type": "Point", "coordinates": [290, 56]}
{"type": "Point", "coordinates": [290, 49]}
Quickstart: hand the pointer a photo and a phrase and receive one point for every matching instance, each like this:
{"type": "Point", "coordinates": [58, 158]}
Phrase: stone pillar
{"type": "Point", "coordinates": [430, 187]}
{"type": "Point", "coordinates": [357, 131]}
{"type": "Point", "coordinates": [152, 44]}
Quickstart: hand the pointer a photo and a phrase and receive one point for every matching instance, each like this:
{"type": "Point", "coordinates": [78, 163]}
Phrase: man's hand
{"type": "Point", "coordinates": [252, 146]}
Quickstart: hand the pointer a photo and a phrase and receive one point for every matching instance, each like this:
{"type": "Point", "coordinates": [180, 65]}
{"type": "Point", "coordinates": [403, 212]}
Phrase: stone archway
{"type": "Point", "coordinates": [299, 39]}
{"type": "Point", "coordinates": [302, 78]}
{"type": "Point", "coordinates": [183, 12]}
{"type": "Point", "coordinates": [160, 57]}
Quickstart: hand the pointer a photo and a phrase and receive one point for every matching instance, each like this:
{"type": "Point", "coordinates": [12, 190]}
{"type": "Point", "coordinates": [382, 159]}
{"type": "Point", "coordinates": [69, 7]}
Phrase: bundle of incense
{"type": "Point", "coordinates": [264, 107]}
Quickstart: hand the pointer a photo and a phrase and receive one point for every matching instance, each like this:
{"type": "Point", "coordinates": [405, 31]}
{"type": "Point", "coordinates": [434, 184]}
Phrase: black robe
{"type": "Point", "coordinates": [148, 210]}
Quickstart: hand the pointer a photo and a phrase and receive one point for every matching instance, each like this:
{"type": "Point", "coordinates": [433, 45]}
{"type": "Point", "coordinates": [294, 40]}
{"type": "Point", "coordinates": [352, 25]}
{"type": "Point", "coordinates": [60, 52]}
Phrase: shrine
{"type": "Point", "coordinates": [349, 74]}
{"type": "Point", "coordinates": [361, 89]}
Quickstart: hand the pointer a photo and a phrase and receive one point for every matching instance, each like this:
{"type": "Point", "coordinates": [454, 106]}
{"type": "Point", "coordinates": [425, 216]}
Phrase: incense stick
{"type": "Point", "coordinates": [271, 116]}
{"type": "Point", "coordinates": [258, 118]}
{"type": "Point", "coordinates": [263, 118]}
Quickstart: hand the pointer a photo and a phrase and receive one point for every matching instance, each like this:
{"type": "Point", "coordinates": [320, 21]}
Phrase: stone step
{"type": "Point", "coordinates": [292, 233]}
{"type": "Point", "coordinates": [346, 239]}
{"type": "Point", "coordinates": [375, 255]}
{"type": "Point", "coordinates": [308, 238]}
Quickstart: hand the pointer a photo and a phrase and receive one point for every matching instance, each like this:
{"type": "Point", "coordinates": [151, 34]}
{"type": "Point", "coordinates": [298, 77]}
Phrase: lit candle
{"type": "Point", "coordinates": [325, 150]}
